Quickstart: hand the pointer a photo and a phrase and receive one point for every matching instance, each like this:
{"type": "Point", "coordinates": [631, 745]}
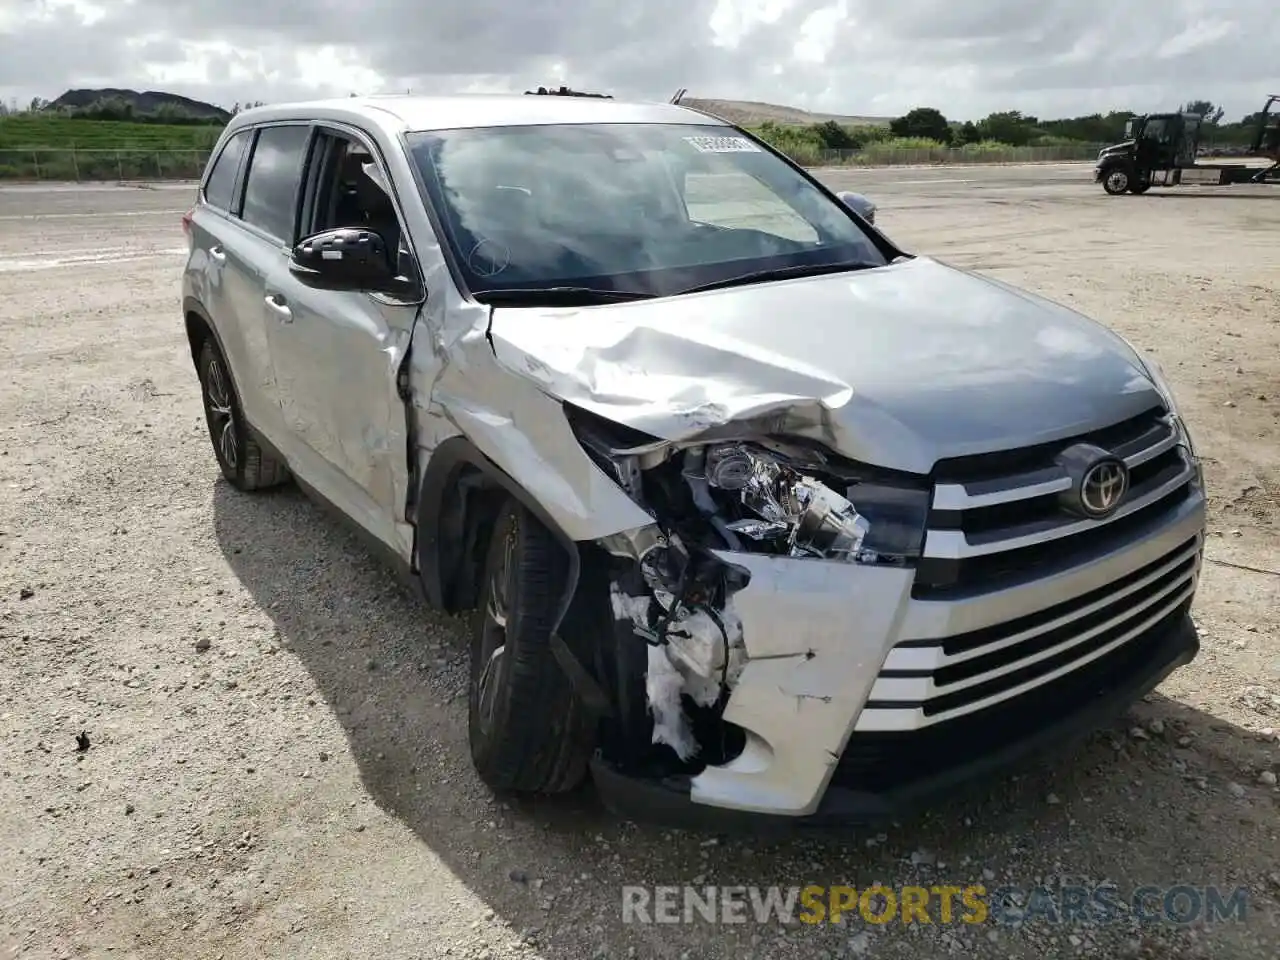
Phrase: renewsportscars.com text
{"type": "Point", "coordinates": [941, 903]}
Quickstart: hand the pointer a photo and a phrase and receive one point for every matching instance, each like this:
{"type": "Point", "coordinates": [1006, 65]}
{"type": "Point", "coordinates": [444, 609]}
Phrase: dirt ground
{"type": "Point", "coordinates": [276, 761]}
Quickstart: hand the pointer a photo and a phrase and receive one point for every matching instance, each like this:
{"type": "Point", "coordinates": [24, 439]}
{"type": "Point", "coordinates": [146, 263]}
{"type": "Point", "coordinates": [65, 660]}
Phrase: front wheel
{"type": "Point", "coordinates": [529, 731]}
{"type": "Point", "coordinates": [1116, 181]}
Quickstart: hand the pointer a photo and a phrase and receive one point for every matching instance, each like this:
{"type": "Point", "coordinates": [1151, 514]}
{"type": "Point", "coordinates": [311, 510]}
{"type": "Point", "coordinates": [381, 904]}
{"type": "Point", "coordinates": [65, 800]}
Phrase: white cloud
{"type": "Point", "coordinates": [1053, 58]}
{"type": "Point", "coordinates": [1202, 33]}
{"type": "Point", "coordinates": [732, 20]}
{"type": "Point", "coordinates": [818, 33]}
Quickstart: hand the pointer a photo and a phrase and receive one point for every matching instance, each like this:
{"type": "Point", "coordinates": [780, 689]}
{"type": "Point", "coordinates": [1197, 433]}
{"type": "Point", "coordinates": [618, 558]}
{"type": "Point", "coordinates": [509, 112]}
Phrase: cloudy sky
{"type": "Point", "coordinates": [966, 57]}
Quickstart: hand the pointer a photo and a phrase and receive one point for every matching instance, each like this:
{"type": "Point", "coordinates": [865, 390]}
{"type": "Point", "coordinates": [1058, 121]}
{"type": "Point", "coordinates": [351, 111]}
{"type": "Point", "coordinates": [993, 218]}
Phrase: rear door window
{"type": "Point", "coordinates": [220, 188]}
{"type": "Point", "coordinates": [275, 170]}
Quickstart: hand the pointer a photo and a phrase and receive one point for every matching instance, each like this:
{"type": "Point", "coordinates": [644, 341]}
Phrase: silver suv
{"type": "Point", "coordinates": [760, 514]}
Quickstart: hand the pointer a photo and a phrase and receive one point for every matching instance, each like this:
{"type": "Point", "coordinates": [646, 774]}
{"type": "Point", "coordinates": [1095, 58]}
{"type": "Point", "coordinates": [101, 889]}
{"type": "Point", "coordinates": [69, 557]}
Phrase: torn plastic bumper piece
{"type": "Point", "coordinates": [816, 634]}
{"type": "Point", "coordinates": [1050, 723]}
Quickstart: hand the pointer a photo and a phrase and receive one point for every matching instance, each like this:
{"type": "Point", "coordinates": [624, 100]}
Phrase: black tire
{"type": "Point", "coordinates": [529, 731]}
{"type": "Point", "coordinates": [1140, 187]}
{"type": "Point", "coordinates": [242, 461]}
{"type": "Point", "coordinates": [1117, 180]}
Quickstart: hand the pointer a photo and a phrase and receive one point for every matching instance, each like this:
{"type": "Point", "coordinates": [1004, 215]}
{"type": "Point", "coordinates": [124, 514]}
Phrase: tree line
{"type": "Point", "coordinates": [1008, 127]}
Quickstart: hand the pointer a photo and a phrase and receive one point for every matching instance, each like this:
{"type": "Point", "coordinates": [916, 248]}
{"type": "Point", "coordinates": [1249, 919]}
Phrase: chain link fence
{"type": "Point", "coordinates": [875, 156]}
{"type": "Point", "coordinates": [78, 164]}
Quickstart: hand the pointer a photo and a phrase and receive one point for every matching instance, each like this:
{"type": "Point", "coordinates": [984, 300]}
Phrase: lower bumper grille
{"type": "Point", "coordinates": [925, 682]}
{"type": "Point", "coordinates": [882, 762]}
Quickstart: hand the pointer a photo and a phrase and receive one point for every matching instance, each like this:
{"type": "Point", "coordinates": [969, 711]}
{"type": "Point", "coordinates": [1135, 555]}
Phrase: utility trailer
{"type": "Point", "coordinates": [1159, 150]}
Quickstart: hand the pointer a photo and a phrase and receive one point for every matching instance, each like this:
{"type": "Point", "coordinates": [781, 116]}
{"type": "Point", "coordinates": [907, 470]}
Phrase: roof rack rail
{"type": "Point", "coordinates": [566, 92]}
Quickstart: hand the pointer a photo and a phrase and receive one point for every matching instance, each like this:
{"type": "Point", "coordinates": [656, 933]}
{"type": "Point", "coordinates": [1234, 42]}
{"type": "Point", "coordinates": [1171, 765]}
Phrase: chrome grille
{"type": "Point", "coordinates": [988, 529]}
{"type": "Point", "coordinates": [995, 524]}
{"type": "Point", "coordinates": [927, 682]}
{"type": "Point", "coordinates": [886, 761]}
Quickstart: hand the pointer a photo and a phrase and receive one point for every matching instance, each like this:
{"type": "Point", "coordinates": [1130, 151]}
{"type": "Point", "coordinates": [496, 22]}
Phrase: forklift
{"type": "Point", "coordinates": [1159, 149]}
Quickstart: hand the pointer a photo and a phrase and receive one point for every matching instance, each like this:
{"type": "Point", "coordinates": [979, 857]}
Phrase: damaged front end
{"type": "Point", "coordinates": [672, 585]}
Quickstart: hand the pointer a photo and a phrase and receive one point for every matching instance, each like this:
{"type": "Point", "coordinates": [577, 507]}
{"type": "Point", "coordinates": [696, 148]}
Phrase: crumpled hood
{"type": "Point", "coordinates": [897, 366]}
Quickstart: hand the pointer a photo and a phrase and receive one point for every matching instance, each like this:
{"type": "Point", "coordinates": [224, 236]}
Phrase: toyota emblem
{"type": "Point", "coordinates": [1103, 487]}
{"type": "Point", "coordinates": [1098, 479]}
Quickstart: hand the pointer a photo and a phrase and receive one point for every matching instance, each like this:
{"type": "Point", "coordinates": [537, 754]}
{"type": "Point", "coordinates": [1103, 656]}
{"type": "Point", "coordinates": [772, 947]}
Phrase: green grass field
{"type": "Point", "coordinates": [60, 148]}
{"type": "Point", "coordinates": [60, 133]}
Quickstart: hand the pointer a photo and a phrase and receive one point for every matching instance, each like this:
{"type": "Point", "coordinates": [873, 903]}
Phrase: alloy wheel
{"type": "Point", "coordinates": [222, 420]}
{"type": "Point", "coordinates": [493, 637]}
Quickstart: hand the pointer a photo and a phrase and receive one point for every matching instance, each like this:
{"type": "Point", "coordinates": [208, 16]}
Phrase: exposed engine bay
{"type": "Point", "coordinates": [749, 494]}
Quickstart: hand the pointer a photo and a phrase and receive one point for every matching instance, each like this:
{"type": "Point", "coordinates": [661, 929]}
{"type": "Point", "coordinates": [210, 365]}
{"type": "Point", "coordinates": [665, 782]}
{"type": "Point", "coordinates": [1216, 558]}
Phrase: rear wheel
{"type": "Point", "coordinates": [243, 462]}
{"type": "Point", "coordinates": [1116, 181]}
{"type": "Point", "coordinates": [529, 732]}
{"type": "Point", "coordinates": [1140, 186]}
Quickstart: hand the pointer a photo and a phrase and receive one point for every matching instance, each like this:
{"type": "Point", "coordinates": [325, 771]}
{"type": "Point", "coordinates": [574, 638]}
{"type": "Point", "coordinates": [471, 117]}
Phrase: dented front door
{"type": "Point", "coordinates": [336, 358]}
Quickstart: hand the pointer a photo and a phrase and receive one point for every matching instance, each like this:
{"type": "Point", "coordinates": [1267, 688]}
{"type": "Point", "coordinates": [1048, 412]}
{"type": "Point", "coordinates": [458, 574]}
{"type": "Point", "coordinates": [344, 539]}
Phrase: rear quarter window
{"type": "Point", "coordinates": [220, 187]}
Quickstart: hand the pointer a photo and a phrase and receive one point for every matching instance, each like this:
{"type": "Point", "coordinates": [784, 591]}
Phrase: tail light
{"type": "Point", "coordinates": [186, 222]}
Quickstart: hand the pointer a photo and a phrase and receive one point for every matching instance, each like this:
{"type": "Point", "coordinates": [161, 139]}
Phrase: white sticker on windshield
{"type": "Point", "coordinates": [722, 144]}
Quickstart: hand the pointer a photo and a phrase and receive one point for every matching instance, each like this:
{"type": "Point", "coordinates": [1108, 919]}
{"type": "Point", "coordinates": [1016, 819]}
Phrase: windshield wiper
{"type": "Point", "coordinates": [559, 296]}
{"type": "Point", "coordinates": [781, 273]}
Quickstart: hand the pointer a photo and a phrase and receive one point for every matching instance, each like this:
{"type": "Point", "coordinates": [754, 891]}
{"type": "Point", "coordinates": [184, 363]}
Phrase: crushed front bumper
{"type": "Point", "coordinates": [861, 698]}
{"type": "Point", "coordinates": [1091, 698]}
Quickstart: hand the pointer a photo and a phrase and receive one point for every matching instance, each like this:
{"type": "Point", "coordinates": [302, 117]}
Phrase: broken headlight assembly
{"type": "Point", "coordinates": [782, 496]}
{"type": "Point", "coordinates": [767, 495]}
{"type": "Point", "coordinates": [796, 501]}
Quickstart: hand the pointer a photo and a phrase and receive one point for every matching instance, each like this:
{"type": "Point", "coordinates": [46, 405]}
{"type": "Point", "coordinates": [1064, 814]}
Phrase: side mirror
{"type": "Point", "coordinates": [858, 204]}
{"type": "Point", "coordinates": [346, 258]}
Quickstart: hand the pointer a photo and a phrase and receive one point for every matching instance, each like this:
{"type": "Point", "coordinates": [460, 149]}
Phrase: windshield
{"type": "Point", "coordinates": [646, 209]}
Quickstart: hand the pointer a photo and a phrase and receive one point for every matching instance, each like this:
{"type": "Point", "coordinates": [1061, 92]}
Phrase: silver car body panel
{"type": "Point", "coordinates": [897, 366]}
{"type": "Point", "coordinates": [974, 368]}
{"type": "Point", "coordinates": [226, 273]}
